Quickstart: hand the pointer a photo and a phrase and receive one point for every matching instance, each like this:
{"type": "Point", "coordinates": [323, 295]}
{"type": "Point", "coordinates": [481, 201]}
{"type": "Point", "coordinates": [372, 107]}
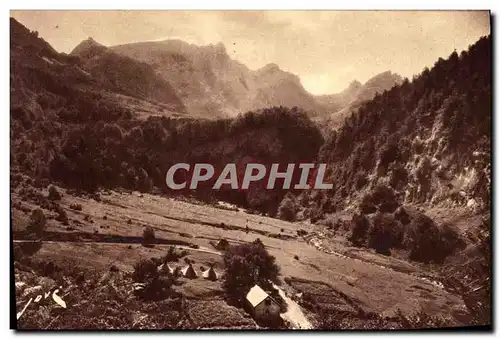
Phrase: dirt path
{"type": "Point", "coordinates": [294, 313]}
{"type": "Point", "coordinates": [201, 249]}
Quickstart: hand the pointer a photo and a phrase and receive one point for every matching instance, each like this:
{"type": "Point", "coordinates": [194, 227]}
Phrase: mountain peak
{"type": "Point", "coordinates": [87, 45]}
{"type": "Point", "coordinates": [271, 67]}
{"type": "Point", "coordinates": [355, 84]}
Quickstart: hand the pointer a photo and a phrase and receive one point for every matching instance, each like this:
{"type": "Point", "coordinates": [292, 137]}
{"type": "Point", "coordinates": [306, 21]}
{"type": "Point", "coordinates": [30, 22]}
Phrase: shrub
{"type": "Point", "coordinates": [54, 194]}
{"type": "Point", "coordinates": [422, 239]}
{"type": "Point", "coordinates": [156, 287]}
{"type": "Point", "coordinates": [316, 214]}
{"type": "Point", "coordinates": [385, 232]}
{"type": "Point", "coordinates": [301, 232]}
{"type": "Point", "coordinates": [296, 257]}
{"type": "Point", "coordinates": [76, 207]}
{"type": "Point", "coordinates": [402, 216]}
{"type": "Point", "coordinates": [62, 216]}
{"type": "Point", "coordinates": [148, 236]}
{"type": "Point", "coordinates": [450, 240]}
{"type": "Point", "coordinates": [366, 205]}
{"type": "Point", "coordinates": [287, 209]}
{"type": "Point", "coordinates": [172, 255]}
{"type": "Point", "coordinates": [384, 198]}
{"type": "Point", "coordinates": [359, 228]}
{"type": "Point", "coordinates": [145, 271]}
{"type": "Point", "coordinates": [37, 222]}
{"type": "Point", "coordinates": [247, 265]}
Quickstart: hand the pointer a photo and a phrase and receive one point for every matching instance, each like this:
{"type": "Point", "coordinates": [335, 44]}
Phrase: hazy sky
{"type": "Point", "coordinates": [326, 49]}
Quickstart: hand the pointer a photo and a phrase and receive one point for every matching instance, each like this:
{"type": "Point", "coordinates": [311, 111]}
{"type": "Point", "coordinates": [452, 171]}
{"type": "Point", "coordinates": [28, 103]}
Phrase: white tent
{"type": "Point", "coordinates": [189, 272]}
{"type": "Point", "coordinates": [165, 268]}
{"type": "Point", "coordinates": [211, 274]}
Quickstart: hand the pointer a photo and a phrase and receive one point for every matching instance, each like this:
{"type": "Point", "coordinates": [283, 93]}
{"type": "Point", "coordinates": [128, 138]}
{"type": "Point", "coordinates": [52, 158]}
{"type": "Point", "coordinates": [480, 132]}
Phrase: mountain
{"type": "Point", "coordinates": [126, 75]}
{"type": "Point", "coordinates": [335, 102]}
{"type": "Point", "coordinates": [209, 82]}
{"type": "Point", "coordinates": [378, 84]}
{"type": "Point", "coordinates": [341, 105]}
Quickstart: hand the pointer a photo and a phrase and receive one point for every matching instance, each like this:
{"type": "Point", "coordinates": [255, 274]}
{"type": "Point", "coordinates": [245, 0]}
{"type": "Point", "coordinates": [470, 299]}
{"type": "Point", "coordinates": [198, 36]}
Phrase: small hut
{"type": "Point", "coordinates": [262, 306]}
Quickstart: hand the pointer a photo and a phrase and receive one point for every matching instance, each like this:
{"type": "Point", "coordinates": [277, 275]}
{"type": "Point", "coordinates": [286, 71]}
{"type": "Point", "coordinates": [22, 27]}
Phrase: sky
{"type": "Point", "coordinates": [326, 49]}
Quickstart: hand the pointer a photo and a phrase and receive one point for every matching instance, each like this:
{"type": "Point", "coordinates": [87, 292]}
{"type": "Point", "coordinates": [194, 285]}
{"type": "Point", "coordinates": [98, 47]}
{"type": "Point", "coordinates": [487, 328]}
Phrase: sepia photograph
{"type": "Point", "coordinates": [243, 170]}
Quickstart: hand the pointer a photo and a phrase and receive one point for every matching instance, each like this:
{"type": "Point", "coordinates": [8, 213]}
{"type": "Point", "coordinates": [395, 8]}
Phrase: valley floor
{"type": "Point", "coordinates": [107, 233]}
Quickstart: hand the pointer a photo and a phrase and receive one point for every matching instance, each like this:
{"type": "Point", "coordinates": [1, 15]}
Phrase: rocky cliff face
{"type": "Point", "coordinates": [208, 81]}
{"type": "Point", "coordinates": [126, 75]}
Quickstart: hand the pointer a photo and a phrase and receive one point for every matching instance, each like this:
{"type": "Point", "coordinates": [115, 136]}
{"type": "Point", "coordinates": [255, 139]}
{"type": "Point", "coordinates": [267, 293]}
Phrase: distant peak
{"type": "Point", "coordinates": [91, 40]}
{"type": "Point", "coordinates": [86, 45]}
{"type": "Point", "coordinates": [355, 84]}
{"type": "Point", "coordinates": [270, 68]}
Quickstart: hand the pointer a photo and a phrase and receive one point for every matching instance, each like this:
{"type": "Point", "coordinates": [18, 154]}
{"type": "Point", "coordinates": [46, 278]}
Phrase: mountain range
{"type": "Point", "coordinates": [211, 84]}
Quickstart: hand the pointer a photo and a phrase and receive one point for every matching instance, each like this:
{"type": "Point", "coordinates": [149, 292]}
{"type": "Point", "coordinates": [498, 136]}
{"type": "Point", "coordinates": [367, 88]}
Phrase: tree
{"type": "Point", "coordinates": [385, 232]}
{"type": "Point", "coordinates": [359, 228]}
{"type": "Point", "coordinates": [422, 239]}
{"type": "Point", "coordinates": [288, 208]}
{"type": "Point", "coordinates": [37, 222]}
{"type": "Point", "coordinates": [54, 194]}
{"type": "Point", "coordinates": [247, 265]}
{"type": "Point", "coordinates": [148, 236]}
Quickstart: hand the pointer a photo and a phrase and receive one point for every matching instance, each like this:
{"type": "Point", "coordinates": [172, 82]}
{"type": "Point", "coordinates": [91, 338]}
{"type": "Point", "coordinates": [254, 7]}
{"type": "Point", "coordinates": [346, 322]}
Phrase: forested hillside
{"type": "Point", "coordinates": [429, 140]}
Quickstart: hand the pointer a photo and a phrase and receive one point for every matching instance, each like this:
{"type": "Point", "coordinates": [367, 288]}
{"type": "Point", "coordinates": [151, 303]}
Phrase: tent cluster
{"type": "Point", "coordinates": [188, 271]}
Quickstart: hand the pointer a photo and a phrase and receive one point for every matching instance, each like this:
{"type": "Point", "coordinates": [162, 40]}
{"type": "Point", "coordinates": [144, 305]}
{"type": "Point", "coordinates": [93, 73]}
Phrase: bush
{"type": "Point", "coordinates": [37, 222]}
{"type": "Point", "coordinates": [382, 198]}
{"type": "Point", "coordinates": [62, 216]}
{"type": "Point", "coordinates": [422, 239]}
{"type": "Point", "coordinates": [172, 255]}
{"type": "Point", "coordinates": [316, 214]}
{"type": "Point", "coordinates": [385, 233]}
{"type": "Point", "coordinates": [148, 236]}
{"type": "Point", "coordinates": [54, 194]}
{"type": "Point", "coordinates": [402, 216]}
{"type": "Point", "coordinates": [76, 207]}
{"type": "Point", "coordinates": [359, 228]}
{"type": "Point", "coordinates": [450, 240]}
{"type": "Point", "coordinates": [247, 265]}
{"type": "Point", "coordinates": [156, 287]}
{"type": "Point", "coordinates": [145, 271]}
{"type": "Point", "coordinates": [385, 199]}
{"type": "Point", "coordinates": [287, 209]}
{"type": "Point", "coordinates": [366, 205]}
